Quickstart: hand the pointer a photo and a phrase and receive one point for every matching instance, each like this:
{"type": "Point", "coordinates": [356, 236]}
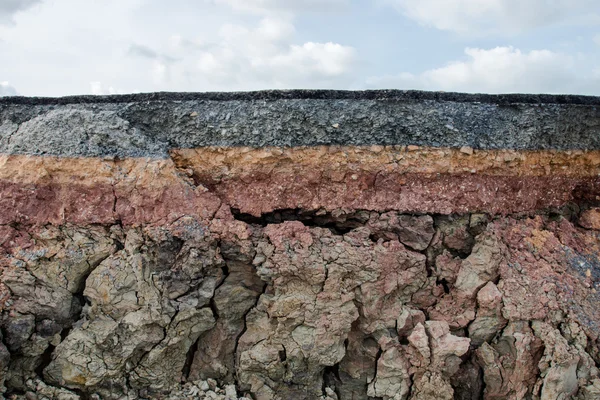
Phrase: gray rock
{"type": "Point", "coordinates": [149, 125]}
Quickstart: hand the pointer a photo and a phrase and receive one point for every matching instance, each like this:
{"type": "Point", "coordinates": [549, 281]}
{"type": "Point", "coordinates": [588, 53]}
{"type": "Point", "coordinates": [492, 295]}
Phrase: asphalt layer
{"type": "Point", "coordinates": [149, 125]}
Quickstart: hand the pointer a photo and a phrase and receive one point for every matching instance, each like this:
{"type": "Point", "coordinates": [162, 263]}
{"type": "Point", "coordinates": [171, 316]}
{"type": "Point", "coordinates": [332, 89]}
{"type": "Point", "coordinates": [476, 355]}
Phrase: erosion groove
{"type": "Point", "coordinates": [300, 245]}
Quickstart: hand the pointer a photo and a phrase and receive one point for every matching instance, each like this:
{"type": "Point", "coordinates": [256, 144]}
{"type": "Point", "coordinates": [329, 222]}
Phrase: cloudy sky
{"type": "Point", "coordinates": [65, 47]}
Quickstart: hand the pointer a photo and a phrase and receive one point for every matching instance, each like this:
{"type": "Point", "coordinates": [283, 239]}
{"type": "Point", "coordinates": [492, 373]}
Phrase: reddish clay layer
{"type": "Point", "coordinates": [411, 193]}
{"type": "Point", "coordinates": [102, 204]}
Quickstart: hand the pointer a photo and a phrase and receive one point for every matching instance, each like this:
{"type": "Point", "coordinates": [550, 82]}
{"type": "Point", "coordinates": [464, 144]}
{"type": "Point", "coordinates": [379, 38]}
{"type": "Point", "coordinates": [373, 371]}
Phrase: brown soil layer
{"type": "Point", "coordinates": [42, 190]}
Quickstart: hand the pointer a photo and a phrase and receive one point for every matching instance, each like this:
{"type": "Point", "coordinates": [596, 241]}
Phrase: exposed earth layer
{"type": "Point", "coordinates": [300, 245]}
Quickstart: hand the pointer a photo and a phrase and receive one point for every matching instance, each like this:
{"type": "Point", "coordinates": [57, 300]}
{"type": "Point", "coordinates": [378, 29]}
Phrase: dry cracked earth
{"type": "Point", "coordinates": [334, 273]}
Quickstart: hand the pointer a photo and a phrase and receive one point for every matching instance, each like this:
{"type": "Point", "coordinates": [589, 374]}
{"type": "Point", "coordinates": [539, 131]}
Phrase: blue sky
{"type": "Point", "coordinates": [65, 47]}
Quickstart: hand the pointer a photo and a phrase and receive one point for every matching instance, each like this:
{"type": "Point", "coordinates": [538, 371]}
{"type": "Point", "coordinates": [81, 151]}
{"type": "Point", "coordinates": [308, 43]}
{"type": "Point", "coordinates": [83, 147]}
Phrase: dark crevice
{"type": "Point", "coordinates": [119, 245]}
{"type": "Point", "coordinates": [189, 360]}
{"type": "Point", "coordinates": [114, 208]}
{"type": "Point", "coordinates": [212, 304]}
{"type": "Point", "coordinates": [65, 332]}
{"type": "Point", "coordinates": [496, 280]}
{"type": "Point", "coordinates": [338, 225]}
{"type": "Point", "coordinates": [77, 309]}
{"type": "Point", "coordinates": [213, 308]}
{"type": "Point", "coordinates": [377, 357]}
{"type": "Point", "coordinates": [373, 238]}
{"type": "Point", "coordinates": [225, 270]}
{"type": "Point", "coordinates": [45, 360]}
{"type": "Point", "coordinates": [13, 392]}
{"type": "Point", "coordinates": [331, 375]}
{"type": "Point", "coordinates": [481, 384]}
{"type": "Point", "coordinates": [82, 395]}
{"type": "Point", "coordinates": [445, 285]}
{"type": "Point", "coordinates": [282, 354]}
{"type": "Point", "coordinates": [195, 178]}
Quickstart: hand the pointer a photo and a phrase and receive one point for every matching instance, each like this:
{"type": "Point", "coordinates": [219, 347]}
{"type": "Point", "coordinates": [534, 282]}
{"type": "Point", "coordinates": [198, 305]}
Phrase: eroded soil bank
{"type": "Point", "coordinates": [143, 257]}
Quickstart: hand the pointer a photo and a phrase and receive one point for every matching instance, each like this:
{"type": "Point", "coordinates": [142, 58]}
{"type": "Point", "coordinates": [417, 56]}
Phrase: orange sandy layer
{"type": "Point", "coordinates": [219, 163]}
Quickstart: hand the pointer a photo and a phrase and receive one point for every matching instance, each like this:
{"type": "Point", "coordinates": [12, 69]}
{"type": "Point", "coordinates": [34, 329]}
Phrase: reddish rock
{"type": "Point", "coordinates": [590, 219]}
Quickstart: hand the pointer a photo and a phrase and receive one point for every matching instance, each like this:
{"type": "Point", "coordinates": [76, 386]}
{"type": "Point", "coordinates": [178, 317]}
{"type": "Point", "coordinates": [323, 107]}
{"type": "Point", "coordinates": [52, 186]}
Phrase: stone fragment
{"type": "Point", "coordinates": [466, 150]}
{"type": "Point", "coordinates": [447, 267]}
{"type": "Point", "coordinates": [455, 232]}
{"type": "Point", "coordinates": [163, 365]}
{"type": "Point", "coordinates": [432, 386]}
{"type": "Point", "coordinates": [4, 363]}
{"type": "Point", "coordinates": [489, 320]}
{"type": "Point", "coordinates": [408, 319]}
{"type": "Point", "coordinates": [590, 219]}
{"type": "Point", "coordinates": [510, 366]}
{"type": "Point", "coordinates": [478, 223]}
{"type": "Point", "coordinates": [495, 386]}
{"type": "Point", "coordinates": [481, 266]}
{"type": "Point", "coordinates": [455, 309]}
{"type": "Point", "coordinates": [591, 391]}
{"type": "Point", "coordinates": [392, 381]}
{"type": "Point", "coordinates": [17, 330]}
{"type": "Point", "coordinates": [415, 232]}
{"type": "Point", "coordinates": [559, 363]}
{"type": "Point", "coordinates": [420, 341]}
{"type": "Point", "coordinates": [446, 349]}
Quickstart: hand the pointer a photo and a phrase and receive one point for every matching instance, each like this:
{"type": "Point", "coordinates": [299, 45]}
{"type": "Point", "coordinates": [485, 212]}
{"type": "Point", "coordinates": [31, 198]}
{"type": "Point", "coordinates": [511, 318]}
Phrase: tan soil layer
{"type": "Point", "coordinates": [255, 181]}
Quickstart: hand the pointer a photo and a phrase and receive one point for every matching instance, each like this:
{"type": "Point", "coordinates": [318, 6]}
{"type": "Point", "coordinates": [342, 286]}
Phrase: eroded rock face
{"type": "Point", "coordinates": [334, 272]}
{"type": "Point", "coordinates": [288, 309]}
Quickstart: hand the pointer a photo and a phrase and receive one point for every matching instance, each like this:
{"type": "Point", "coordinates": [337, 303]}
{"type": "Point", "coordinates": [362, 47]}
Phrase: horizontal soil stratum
{"type": "Point", "coordinates": [300, 245]}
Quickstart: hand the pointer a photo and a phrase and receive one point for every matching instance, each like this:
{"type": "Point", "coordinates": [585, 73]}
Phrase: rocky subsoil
{"type": "Point", "coordinates": [339, 305]}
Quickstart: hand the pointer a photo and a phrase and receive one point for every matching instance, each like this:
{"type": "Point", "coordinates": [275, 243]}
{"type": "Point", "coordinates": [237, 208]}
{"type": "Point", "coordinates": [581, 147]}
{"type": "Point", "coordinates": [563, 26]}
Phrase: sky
{"type": "Point", "coordinates": [71, 47]}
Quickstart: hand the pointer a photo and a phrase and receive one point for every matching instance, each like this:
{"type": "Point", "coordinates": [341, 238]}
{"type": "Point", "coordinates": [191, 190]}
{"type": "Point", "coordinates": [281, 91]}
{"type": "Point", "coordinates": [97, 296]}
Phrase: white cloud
{"type": "Point", "coordinates": [98, 89]}
{"type": "Point", "coordinates": [270, 6]}
{"type": "Point", "coordinates": [501, 70]}
{"type": "Point", "coordinates": [8, 8]}
{"type": "Point", "coordinates": [62, 46]}
{"type": "Point", "coordinates": [311, 60]}
{"type": "Point", "coordinates": [597, 39]}
{"type": "Point", "coordinates": [245, 58]}
{"type": "Point", "coordinates": [497, 16]}
{"type": "Point", "coordinates": [7, 90]}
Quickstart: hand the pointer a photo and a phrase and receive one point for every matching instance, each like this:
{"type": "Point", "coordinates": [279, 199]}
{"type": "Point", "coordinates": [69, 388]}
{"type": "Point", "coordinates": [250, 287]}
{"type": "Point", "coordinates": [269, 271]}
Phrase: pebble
{"type": "Point", "coordinates": [212, 383]}
{"type": "Point", "coordinates": [466, 150]}
{"type": "Point", "coordinates": [230, 392]}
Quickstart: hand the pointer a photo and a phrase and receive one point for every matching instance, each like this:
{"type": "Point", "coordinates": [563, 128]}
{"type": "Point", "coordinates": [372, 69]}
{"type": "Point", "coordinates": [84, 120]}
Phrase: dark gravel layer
{"type": "Point", "coordinates": [148, 125]}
